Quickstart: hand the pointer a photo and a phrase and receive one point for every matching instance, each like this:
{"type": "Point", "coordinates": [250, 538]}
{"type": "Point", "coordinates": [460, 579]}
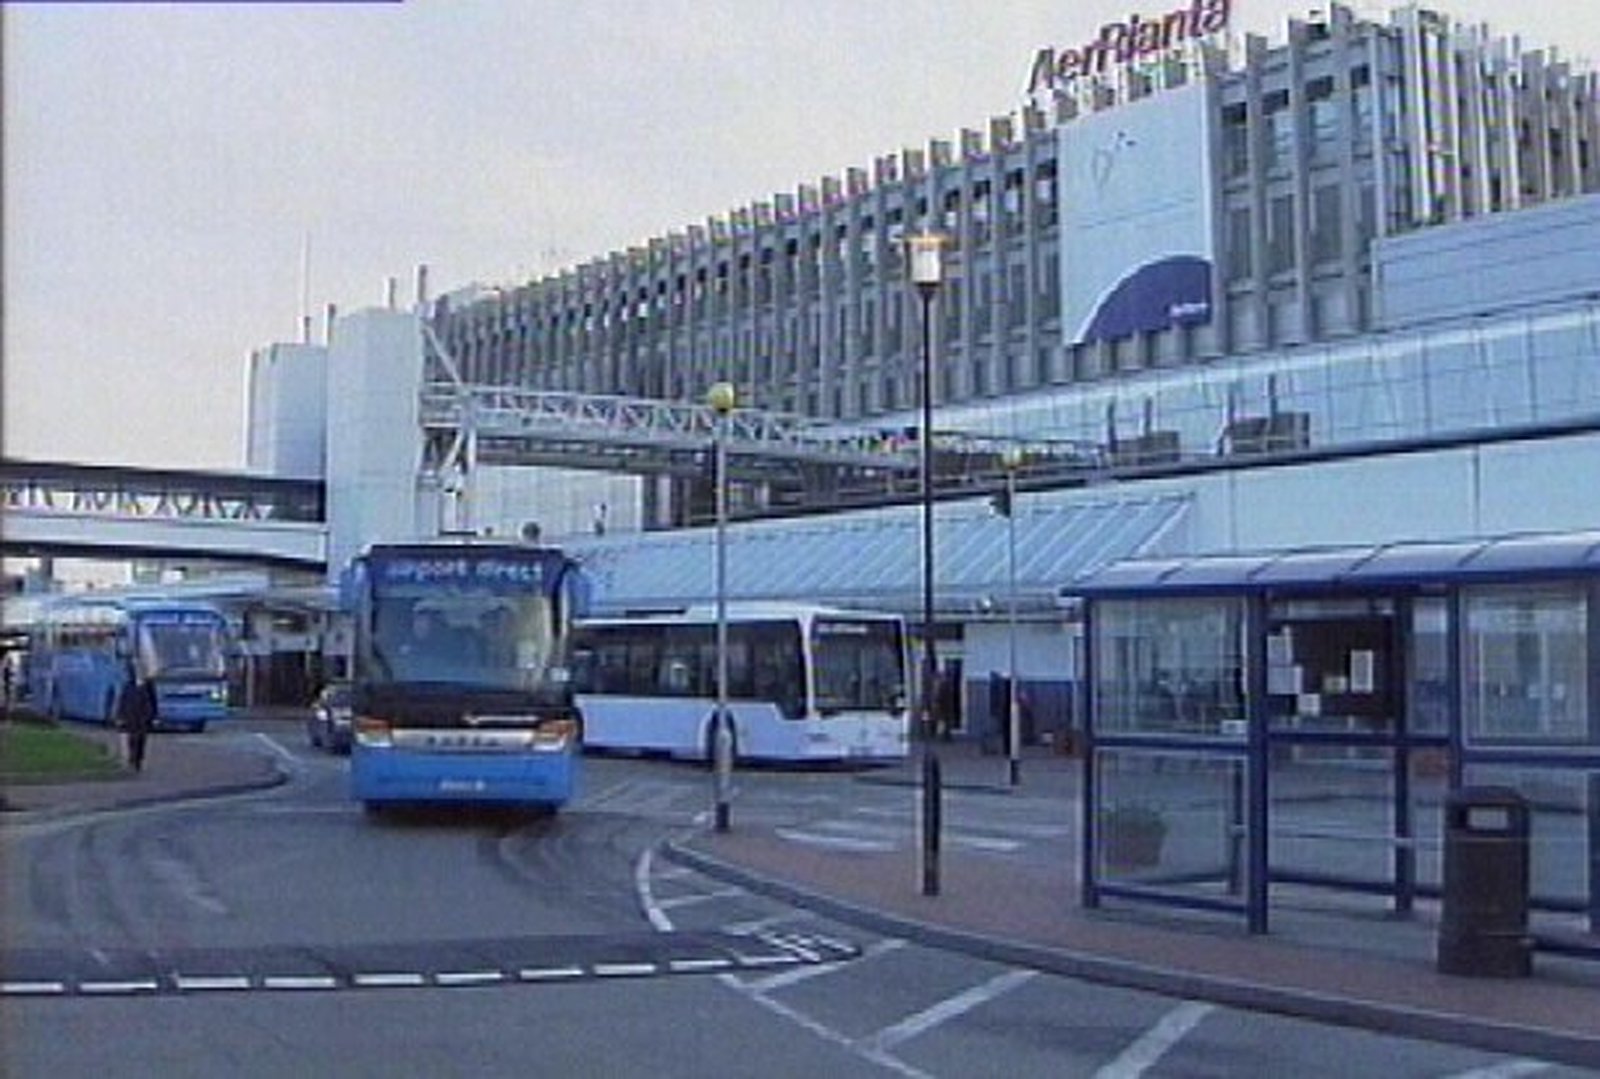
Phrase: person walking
{"type": "Point", "coordinates": [136, 714]}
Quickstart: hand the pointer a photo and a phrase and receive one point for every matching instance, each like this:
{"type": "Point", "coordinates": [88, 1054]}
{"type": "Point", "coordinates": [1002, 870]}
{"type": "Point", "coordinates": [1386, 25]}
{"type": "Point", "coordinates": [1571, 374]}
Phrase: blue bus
{"type": "Point", "coordinates": [79, 646]}
{"type": "Point", "coordinates": [460, 686]}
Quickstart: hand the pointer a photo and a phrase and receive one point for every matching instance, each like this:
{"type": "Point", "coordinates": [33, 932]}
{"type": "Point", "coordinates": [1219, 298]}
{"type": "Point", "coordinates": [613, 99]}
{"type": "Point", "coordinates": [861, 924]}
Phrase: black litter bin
{"type": "Point", "coordinates": [1483, 926]}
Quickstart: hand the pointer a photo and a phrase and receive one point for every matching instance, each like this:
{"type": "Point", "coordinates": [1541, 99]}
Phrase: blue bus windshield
{"type": "Point", "coordinates": [182, 645]}
{"type": "Point", "coordinates": [470, 620]}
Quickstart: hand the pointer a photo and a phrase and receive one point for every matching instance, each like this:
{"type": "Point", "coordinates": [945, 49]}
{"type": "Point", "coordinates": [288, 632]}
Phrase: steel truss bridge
{"type": "Point", "coordinates": [805, 463]}
{"type": "Point", "coordinates": [113, 511]}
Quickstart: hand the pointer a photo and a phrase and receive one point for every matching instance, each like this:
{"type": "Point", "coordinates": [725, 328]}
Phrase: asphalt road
{"type": "Point", "coordinates": [285, 933]}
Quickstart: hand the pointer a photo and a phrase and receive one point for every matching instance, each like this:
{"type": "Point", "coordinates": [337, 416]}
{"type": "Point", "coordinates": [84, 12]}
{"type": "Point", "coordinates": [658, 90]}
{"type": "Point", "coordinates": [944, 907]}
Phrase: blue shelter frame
{"type": "Point", "coordinates": [1299, 717]}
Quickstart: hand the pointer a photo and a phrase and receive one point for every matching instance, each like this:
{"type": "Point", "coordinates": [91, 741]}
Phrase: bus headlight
{"type": "Point", "coordinates": [555, 734]}
{"type": "Point", "coordinates": [373, 733]}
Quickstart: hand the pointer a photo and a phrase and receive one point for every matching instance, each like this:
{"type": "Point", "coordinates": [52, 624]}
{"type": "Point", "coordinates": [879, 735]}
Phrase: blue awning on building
{"type": "Point", "coordinates": [1376, 566]}
{"type": "Point", "coordinates": [873, 558]}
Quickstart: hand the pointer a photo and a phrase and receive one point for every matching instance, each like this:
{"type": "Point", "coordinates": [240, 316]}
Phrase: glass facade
{"type": "Point", "coordinates": [1532, 369]}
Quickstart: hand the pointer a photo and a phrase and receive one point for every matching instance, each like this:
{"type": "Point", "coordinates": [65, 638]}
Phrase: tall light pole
{"type": "Point", "coordinates": [926, 255]}
{"type": "Point", "coordinates": [1011, 460]}
{"type": "Point", "coordinates": [721, 397]}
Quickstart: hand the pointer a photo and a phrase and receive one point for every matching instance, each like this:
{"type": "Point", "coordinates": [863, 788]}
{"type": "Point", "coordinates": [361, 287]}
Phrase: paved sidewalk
{"type": "Point", "coordinates": [1328, 958]}
{"type": "Point", "coordinates": [177, 766]}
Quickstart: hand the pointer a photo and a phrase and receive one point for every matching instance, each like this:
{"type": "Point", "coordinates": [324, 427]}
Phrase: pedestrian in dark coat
{"type": "Point", "coordinates": [136, 714]}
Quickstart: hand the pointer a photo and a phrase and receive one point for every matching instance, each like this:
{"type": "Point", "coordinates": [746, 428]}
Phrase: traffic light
{"type": "Point", "coordinates": [1001, 501]}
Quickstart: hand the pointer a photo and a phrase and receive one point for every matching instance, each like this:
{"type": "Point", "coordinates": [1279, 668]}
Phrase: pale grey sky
{"type": "Point", "coordinates": [164, 163]}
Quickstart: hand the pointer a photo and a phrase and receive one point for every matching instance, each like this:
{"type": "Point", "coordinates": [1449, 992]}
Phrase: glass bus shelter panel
{"type": "Point", "coordinates": [1428, 668]}
{"type": "Point", "coordinates": [1332, 815]}
{"type": "Point", "coordinates": [1429, 790]}
{"type": "Point", "coordinates": [1525, 667]}
{"type": "Point", "coordinates": [1172, 667]}
{"type": "Point", "coordinates": [1171, 821]}
{"type": "Point", "coordinates": [1564, 814]}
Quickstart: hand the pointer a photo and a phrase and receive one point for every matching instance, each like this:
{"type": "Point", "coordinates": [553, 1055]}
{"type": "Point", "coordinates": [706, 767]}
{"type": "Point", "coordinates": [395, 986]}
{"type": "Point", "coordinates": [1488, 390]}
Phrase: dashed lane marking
{"type": "Point", "coordinates": [187, 984]}
{"type": "Point", "coordinates": [460, 964]}
{"type": "Point", "coordinates": [32, 988]}
{"type": "Point", "coordinates": [624, 970]}
{"type": "Point", "coordinates": [387, 980]}
{"type": "Point", "coordinates": [549, 974]}
{"type": "Point", "coordinates": [139, 985]}
{"type": "Point", "coordinates": [318, 981]}
{"type": "Point", "coordinates": [698, 966]}
{"type": "Point", "coordinates": [469, 977]}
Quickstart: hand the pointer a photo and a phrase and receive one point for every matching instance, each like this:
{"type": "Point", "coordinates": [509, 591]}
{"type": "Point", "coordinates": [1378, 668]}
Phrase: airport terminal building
{"type": "Point", "coordinates": [1344, 288]}
{"type": "Point", "coordinates": [1167, 208]}
{"type": "Point", "coordinates": [1320, 322]}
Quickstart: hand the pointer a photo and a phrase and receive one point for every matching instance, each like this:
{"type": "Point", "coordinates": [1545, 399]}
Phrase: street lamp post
{"type": "Point", "coordinates": [1011, 460]}
{"type": "Point", "coordinates": [926, 254]}
{"type": "Point", "coordinates": [721, 398]}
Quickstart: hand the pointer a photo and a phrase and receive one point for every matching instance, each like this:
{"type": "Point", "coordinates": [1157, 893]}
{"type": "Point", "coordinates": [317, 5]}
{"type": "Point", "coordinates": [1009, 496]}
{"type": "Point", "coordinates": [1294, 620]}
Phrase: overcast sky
{"type": "Point", "coordinates": [166, 163]}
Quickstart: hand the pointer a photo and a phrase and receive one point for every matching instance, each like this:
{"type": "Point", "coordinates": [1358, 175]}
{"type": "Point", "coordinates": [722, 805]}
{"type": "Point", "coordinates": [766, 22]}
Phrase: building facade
{"type": "Point", "coordinates": [1267, 174]}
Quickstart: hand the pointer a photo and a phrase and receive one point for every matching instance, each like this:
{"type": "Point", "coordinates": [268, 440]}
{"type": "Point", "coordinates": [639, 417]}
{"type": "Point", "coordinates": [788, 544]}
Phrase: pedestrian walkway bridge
{"type": "Point", "coordinates": [115, 511]}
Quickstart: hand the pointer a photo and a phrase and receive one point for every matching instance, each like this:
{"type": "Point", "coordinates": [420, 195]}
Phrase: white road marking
{"type": "Point", "coordinates": [647, 899]}
{"type": "Point", "coordinates": [826, 1033]}
{"type": "Point", "coordinates": [866, 832]}
{"type": "Point", "coordinates": [469, 977]}
{"type": "Point", "coordinates": [387, 981]}
{"type": "Point", "coordinates": [1511, 1069]}
{"type": "Point", "coordinates": [979, 842]}
{"type": "Point", "coordinates": [284, 753]}
{"type": "Point", "coordinates": [688, 966]}
{"type": "Point", "coordinates": [546, 974]}
{"type": "Point", "coordinates": [947, 1009]}
{"type": "Point", "coordinates": [182, 878]}
{"type": "Point", "coordinates": [32, 988]}
{"type": "Point", "coordinates": [750, 928]}
{"type": "Point", "coordinates": [624, 970]}
{"type": "Point", "coordinates": [1144, 1053]}
{"type": "Point", "coordinates": [699, 897]}
{"type": "Point", "coordinates": [790, 977]}
{"type": "Point", "coordinates": [307, 981]}
{"type": "Point", "coordinates": [207, 982]}
{"type": "Point", "coordinates": [835, 842]}
{"type": "Point", "coordinates": [143, 985]}
{"type": "Point", "coordinates": [660, 920]}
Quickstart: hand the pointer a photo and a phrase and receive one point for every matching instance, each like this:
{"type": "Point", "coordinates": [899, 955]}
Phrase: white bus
{"type": "Point", "coordinates": [805, 683]}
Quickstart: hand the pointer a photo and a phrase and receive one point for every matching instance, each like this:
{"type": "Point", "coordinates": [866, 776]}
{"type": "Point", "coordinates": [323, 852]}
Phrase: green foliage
{"type": "Point", "coordinates": [45, 752]}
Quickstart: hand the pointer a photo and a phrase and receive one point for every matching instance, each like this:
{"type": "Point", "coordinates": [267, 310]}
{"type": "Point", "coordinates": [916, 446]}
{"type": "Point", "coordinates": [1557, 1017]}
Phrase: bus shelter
{"type": "Point", "coordinates": [1299, 718]}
